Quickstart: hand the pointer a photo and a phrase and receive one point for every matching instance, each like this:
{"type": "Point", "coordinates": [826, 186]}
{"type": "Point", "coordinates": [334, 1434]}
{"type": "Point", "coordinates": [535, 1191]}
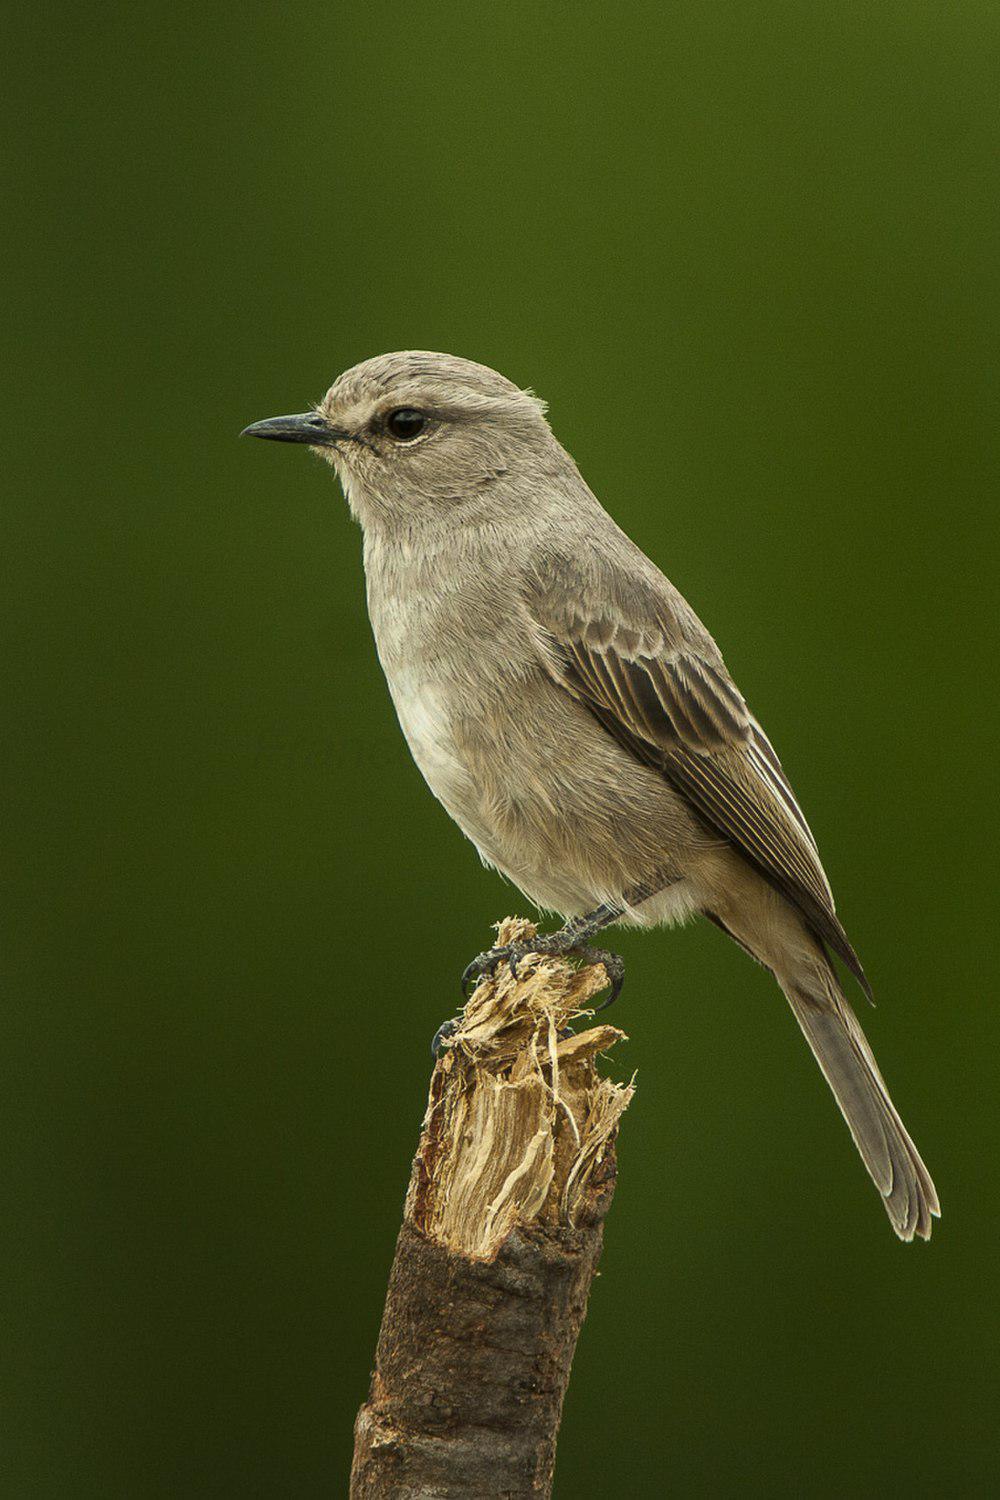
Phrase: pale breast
{"type": "Point", "coordinates": [424, 710]}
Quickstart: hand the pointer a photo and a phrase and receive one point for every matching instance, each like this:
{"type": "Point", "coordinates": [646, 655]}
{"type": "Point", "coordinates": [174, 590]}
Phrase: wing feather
{"type": "Point", "coordinates": [664, 693]}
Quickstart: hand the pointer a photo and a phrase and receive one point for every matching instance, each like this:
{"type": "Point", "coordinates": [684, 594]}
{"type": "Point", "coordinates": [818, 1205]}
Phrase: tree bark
{"type": "Point", "coordinates": [500, 1241]}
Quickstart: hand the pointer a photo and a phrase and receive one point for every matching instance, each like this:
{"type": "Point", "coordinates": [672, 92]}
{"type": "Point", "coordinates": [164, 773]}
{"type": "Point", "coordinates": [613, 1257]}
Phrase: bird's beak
{"type": "Point", "coordinates": [304, 427]}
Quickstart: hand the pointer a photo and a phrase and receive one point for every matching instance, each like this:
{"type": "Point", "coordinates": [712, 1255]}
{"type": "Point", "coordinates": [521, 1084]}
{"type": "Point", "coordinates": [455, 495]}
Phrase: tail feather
{"type": "Point", "coordinates": [839, 1045]}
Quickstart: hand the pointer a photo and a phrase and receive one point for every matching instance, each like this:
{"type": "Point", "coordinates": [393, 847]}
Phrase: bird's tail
{"type": "Point", "coordinates": [839, 1045]}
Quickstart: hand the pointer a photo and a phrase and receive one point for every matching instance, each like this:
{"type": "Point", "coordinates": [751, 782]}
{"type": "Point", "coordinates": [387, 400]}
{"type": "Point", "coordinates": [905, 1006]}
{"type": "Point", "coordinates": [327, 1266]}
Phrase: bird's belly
{"type": "Point", "coordinates": [546, 797]}
{"type": "Point", "coordinates": [478, 780]}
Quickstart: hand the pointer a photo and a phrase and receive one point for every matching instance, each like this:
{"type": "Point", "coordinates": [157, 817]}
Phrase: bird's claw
{"type": "Point", "coordinates": [444, 1031]}
{"type": "Point", "coordinates": [614, 967]}
{"type": "Point", "coordinates": [485, 965]}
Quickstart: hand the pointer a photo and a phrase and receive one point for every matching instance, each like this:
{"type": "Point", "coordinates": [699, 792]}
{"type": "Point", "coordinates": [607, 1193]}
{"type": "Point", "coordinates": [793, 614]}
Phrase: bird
{"type": "Point", "coordinates": [573, 715]}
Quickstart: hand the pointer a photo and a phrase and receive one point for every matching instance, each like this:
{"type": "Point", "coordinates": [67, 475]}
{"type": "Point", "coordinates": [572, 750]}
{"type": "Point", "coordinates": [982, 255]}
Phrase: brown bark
{"type": "Point", "coordinates": [500, 1241]}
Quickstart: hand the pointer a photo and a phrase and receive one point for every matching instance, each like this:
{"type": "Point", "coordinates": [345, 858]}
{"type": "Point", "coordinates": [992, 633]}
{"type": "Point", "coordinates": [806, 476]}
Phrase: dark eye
{"type": "Point", "coordinates": [405, 423]}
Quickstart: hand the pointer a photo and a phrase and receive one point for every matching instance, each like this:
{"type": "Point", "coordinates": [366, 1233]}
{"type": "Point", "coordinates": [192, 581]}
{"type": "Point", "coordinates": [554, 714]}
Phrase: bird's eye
{"type": "Point", "coordinates": [405, 423]}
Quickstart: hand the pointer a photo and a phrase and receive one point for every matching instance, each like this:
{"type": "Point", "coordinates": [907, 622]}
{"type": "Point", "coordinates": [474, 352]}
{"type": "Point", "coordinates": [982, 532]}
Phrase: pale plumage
{"type": "Point", "coordinates": [571, 712]}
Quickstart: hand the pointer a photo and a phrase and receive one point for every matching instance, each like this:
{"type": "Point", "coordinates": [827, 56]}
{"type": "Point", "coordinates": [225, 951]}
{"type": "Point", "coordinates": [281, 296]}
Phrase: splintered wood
{"type": "Point", "coordinates": [518, 1118]}
{"type": "Point", "coordinates": [499, 1245]}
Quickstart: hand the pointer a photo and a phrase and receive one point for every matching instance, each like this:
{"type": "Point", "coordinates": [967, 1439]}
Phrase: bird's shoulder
{"type": "Point", "coordinates": [611, 621]}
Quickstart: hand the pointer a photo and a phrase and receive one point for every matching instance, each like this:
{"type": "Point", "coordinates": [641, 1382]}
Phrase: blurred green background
{"type": "Point", "coordinates": [750, 256]}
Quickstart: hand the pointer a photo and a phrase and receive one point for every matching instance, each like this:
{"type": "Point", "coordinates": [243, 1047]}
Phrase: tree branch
{"type": "Point", "coordinates": [500, 1241]}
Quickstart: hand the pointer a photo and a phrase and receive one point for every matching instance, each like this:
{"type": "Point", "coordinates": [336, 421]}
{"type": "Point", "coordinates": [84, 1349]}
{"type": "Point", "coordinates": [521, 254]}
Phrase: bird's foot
{"type": "Point", "coordinates": [564, 943]}
{"type": "Point", "coordinates": [445, 1030]}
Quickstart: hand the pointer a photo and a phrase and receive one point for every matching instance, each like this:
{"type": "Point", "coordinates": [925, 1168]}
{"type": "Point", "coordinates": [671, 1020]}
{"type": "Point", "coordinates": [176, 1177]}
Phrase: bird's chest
{"type": "Point", "coordinates": [454, 663]}
{"type": "Point", "coordinates": [426, 710]}
{"type": "Point", "coordinates": [426, 664]}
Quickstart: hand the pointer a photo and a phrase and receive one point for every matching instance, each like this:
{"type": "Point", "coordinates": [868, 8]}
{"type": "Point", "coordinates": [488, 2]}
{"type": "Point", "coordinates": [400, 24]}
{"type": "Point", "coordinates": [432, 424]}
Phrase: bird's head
{"type": "Point", "coordinates": [415, 434]}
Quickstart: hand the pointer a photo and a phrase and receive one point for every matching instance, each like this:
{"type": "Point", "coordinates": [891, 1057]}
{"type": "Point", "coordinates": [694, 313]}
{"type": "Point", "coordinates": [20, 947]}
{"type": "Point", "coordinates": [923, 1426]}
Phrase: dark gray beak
{"type": "Point", "coordinates": [304, 427]}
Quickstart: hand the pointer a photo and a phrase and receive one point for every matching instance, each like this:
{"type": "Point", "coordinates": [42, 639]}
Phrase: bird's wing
{"type": "Point", "coordinates": [650, 673]}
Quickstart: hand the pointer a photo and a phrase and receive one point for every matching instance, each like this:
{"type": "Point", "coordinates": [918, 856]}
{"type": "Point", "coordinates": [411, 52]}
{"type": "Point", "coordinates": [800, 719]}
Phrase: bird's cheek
{"type": "Point", "coordinates": [335, 459]}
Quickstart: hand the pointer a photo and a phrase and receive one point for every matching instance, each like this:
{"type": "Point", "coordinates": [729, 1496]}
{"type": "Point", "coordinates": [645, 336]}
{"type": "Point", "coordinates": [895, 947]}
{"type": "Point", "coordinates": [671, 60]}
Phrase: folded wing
{"type": "Point", "coordinates": [654, 679]}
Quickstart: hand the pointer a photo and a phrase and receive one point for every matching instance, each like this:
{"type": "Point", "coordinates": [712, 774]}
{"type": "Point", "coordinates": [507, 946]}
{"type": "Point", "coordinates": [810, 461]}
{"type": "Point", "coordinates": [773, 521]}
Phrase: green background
{"type": "Point", "coordinates": [749, 254]}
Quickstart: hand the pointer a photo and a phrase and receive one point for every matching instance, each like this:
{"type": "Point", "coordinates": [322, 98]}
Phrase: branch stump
{"type": "Point", "coordinates": [501, 1235]}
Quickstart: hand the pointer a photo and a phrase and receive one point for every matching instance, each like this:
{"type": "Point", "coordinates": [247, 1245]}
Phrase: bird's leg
{"type": "Point", "coordinates": [572, 938]}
